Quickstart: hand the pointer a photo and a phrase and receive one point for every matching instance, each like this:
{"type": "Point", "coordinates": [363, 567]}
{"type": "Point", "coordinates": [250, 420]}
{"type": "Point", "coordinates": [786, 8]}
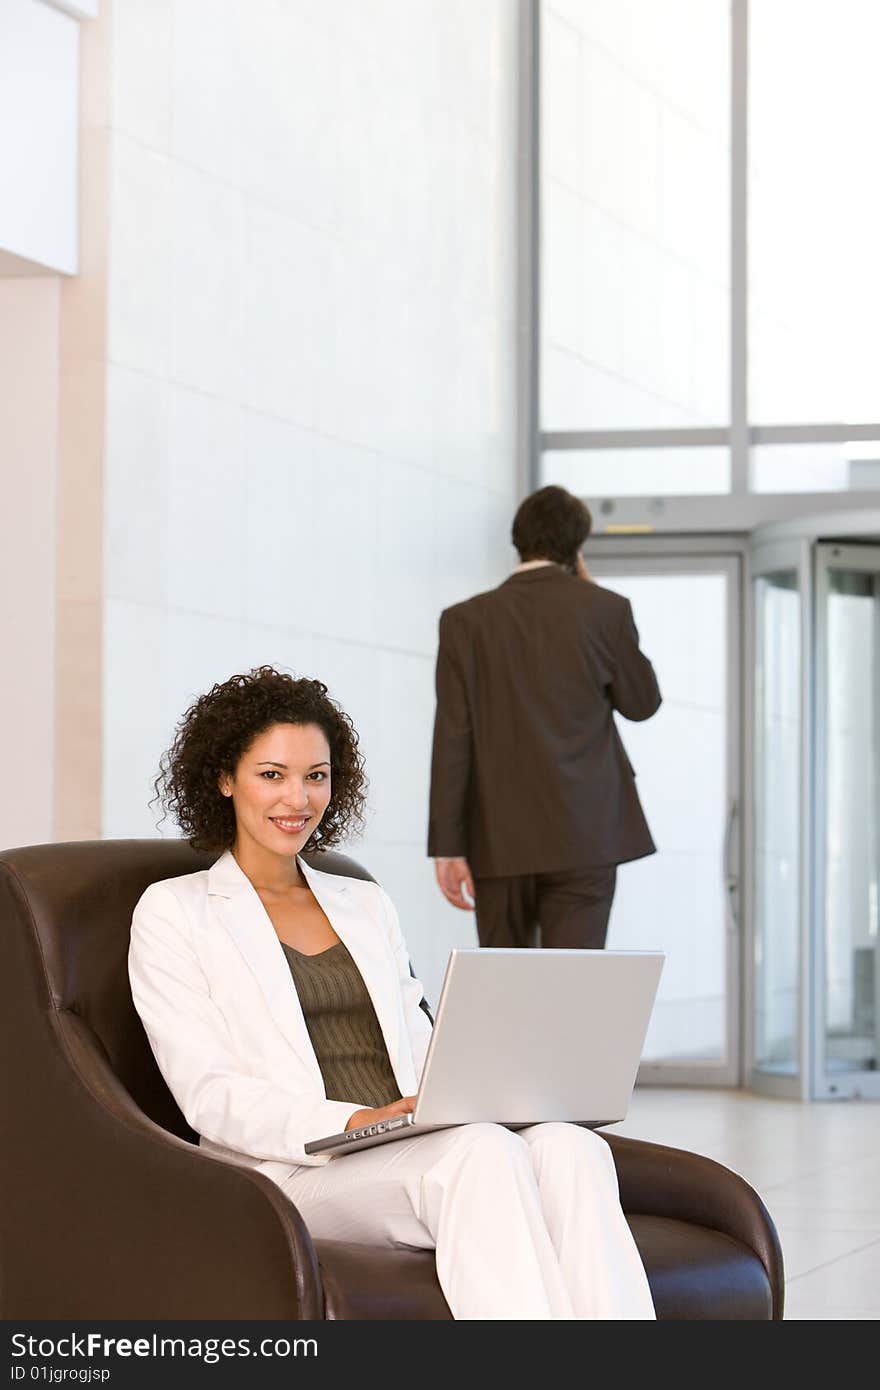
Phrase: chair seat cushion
{"type": "Point", "coordinates": [694, 1273]}
{"type": "Point", "coordinates": [372, 1281]}
{"type": "Point", "coordinates": [698, 1273]}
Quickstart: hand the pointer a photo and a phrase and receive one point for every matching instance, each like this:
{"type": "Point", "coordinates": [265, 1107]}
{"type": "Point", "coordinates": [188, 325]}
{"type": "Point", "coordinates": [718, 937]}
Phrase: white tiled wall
{"type": "Point", "coordinates": [310, 394]}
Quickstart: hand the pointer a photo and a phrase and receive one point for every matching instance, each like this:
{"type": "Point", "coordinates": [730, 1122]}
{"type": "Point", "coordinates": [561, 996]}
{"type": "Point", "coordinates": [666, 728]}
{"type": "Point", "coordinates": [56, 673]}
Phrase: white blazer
{"type": "Point", "coordinates": [213, 988]}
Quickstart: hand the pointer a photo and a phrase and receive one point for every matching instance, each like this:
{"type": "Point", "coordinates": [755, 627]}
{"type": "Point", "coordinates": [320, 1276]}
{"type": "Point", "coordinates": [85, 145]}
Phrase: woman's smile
{"type": "Point", "coordinates": [291, 825]}
{"type": "Point", "coordinates": [286, 763]}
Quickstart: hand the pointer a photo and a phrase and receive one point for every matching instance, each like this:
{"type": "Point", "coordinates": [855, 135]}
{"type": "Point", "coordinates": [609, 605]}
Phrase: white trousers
{"type": "Point", "coordinates": [525, 1224]}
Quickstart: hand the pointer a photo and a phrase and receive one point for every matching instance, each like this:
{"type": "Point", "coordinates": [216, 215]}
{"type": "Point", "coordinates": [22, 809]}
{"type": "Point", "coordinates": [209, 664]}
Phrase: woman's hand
{"type": "Point", "coordinates": [384, 1112]}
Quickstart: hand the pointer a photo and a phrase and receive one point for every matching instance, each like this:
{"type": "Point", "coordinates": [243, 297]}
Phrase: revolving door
{"type": "Point", "coordinates": [815, 977]}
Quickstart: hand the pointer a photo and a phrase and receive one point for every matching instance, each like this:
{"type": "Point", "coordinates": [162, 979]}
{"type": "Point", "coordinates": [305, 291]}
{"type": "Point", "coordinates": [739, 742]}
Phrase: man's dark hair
{"type": "Point", "coordinates": [551, 524]}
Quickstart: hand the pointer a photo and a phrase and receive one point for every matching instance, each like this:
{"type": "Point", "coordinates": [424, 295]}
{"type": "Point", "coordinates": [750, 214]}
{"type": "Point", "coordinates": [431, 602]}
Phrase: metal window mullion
{"type": "Point", "coordinates": [687, 437]}
{"type": "Point", "coordinates": [528, 331]}
{"type": "Point", "coordinates": [813, 434]}
{"type": "Point", "coordinates": [812, 824]}
{"type": "Point", "coordinates": [739, 421]}
{"type": "Point", "coordinates": [684, 438]}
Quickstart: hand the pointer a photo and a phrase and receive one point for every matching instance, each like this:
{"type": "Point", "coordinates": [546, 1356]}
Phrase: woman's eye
{"type": "Point", "coordinates": [318, 776]}
{"type": "Point", "coordinates": [271, 773]}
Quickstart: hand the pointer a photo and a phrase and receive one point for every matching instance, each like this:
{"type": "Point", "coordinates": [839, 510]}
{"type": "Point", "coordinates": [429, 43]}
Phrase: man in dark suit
{"type": "Point", "coordinates": [533, 799]}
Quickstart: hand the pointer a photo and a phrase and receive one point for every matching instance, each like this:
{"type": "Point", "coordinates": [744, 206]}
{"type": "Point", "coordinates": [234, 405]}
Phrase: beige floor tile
{"type": "Point", "coordinates": [816, 1167]}
{"type": "Point", "coordinates": [812, 1218]}
{"type": "Point", "coordinates": [832, 1315]}
{"type": "Point", "coordinates": [805, 1250]}
{"type": "Point", "coordinates": [843, 1187]}
{"type": "Point", "coordinates": [849, 1282]}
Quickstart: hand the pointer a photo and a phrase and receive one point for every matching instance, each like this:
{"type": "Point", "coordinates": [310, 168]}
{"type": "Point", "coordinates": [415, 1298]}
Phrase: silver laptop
{"type": "Point", "coordinates": [526, 1036]}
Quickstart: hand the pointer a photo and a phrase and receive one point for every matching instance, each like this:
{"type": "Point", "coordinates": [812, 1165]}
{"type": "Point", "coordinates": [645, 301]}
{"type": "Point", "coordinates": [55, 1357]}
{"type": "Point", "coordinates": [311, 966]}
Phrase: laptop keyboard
{"type": "Point", "coordinates": [380, 1127]}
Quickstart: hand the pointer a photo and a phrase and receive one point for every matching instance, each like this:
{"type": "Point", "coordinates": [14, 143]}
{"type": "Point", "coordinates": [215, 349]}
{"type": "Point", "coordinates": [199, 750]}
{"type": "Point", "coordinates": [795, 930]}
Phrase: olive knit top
{"type": "Point", "coordinates": [343, 1026]}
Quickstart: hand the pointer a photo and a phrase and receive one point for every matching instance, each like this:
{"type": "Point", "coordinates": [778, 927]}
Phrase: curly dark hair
{"type": "Point", "coordinates": [218, 729]}
{"type": "Point", "coordinates": [551, 524]}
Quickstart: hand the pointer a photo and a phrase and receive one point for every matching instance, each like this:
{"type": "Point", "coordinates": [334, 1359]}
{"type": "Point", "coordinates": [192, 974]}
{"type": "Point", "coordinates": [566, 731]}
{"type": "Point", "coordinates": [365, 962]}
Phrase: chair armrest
{"type": "Point", "coordinates": [657, 1180]}
{"type": "Point", "coordinates": [133, 1222]}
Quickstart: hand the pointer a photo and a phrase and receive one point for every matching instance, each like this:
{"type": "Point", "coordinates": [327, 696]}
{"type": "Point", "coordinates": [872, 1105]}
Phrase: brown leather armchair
{"type": "Point", "coordinates": [112, 1211]}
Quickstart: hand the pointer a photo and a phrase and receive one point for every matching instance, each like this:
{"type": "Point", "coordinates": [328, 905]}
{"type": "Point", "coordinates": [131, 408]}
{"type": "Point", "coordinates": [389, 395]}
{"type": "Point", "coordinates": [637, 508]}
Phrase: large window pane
{"type": "Point", "coordinates": [815, 467]}
{"type": "Point", "coordinates": [634, 213]}
{"type": "Point", "coordinates": [638, 472]}
{"type": "Point", "coordinates": [814, 199]}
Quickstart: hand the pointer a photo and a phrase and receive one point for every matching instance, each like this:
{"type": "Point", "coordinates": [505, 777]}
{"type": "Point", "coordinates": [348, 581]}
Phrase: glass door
{"type": "Point", "coordinates": [685, 899]}
{"type": "Point", "coordinates": [847, 958]}
{"type": "Point", "coordinates": [777, 984]}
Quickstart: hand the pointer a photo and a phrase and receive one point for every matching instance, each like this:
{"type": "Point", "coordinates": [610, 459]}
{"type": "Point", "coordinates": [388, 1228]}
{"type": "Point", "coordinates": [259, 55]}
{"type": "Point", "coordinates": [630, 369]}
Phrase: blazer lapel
{"type": "Point", "coordinates": [354, 922]}
{"type": "Point", "coordinates": [243, 915]}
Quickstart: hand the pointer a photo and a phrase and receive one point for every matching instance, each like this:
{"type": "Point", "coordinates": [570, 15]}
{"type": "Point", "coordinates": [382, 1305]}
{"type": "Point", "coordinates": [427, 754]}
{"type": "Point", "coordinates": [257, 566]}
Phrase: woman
{"type": "Point", "coordinates": [280, 1005]}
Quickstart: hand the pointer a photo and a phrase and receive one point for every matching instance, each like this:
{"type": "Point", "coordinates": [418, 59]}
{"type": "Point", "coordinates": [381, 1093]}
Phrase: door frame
{"type": "Point", "coordinates": [825, 1085]}
{"type": "Point", "coordinates": [702, 554]}
{"type": "Point", "coordinates": [769, 552]}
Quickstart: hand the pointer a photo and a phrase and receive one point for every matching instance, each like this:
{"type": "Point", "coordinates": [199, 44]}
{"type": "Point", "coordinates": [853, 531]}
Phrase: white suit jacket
{"type": "Point", "coordinates": [213, 988]}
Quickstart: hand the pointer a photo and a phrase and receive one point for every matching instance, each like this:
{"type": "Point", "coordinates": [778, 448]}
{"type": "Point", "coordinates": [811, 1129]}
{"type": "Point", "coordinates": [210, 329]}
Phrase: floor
{"type": "Point", "coordinates": [817, 1169]}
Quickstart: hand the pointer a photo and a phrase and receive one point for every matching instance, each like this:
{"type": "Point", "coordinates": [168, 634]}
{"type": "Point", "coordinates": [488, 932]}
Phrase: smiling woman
{"type": "Point", "coordinates": [221, 726]}
{"type": "Point", "coordinates": [280, 1004]}
{"type": "Point", "coordinates": [280, 790]}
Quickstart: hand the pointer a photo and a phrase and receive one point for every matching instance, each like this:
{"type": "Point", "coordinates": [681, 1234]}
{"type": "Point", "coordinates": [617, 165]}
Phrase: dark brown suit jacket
{"type": "Point", "coordinates": [529, 774]}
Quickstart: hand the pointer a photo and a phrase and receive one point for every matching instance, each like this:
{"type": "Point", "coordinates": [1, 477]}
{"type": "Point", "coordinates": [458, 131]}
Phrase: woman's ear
{"type": "Point", "coordinates": [225, 786]}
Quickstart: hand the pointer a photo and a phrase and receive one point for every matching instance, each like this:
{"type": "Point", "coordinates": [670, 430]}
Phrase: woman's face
{"type": "Point", "coordinates": [281, 788]}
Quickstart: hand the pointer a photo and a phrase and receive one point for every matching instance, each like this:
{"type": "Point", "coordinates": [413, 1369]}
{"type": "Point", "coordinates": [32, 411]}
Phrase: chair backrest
{"type": "Point", "coordinates": [65, 918]}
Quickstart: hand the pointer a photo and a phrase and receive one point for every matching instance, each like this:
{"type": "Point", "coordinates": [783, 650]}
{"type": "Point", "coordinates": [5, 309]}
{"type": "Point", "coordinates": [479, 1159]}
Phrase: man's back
{"type": "Point", "coordinates": [529, 773]}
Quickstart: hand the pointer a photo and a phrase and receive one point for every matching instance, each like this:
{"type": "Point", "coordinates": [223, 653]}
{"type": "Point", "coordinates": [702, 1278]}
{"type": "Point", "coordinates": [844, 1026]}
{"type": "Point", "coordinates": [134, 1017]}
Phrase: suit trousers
{"type": "Point", "coordinates": [525, 1224]}
{"type": "Point", "coordinates": [570, 909]}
